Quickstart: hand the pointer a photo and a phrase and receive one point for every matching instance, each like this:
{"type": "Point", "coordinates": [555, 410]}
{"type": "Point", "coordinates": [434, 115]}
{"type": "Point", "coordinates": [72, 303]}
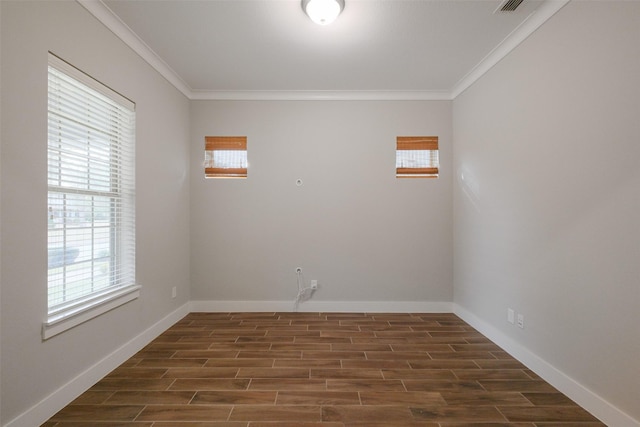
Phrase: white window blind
{"type": "Point", "coordinates": [225, 157]}
{"type": "Point", "coordinates": [417, 157]}
{"type": "Point", "coordinates": [91, 194]}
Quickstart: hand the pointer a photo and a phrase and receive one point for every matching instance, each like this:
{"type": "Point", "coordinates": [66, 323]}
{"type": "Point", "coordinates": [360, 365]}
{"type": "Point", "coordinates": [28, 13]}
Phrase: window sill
{"type": "Point", "coordinates": [66, 319]}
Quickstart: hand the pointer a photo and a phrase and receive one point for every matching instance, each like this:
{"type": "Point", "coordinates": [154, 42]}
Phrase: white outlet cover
{"type": "Point", "coordinates": [511, 316]}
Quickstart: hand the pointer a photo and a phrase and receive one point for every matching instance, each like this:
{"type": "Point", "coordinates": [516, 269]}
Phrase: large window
{"type": "Point", "coordinates": [417, 157]}
{"type": "Point", "coordinates": [91, 198]}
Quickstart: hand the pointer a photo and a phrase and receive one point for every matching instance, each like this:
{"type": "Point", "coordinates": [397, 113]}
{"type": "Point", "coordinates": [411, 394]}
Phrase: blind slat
{"type": "Point", "coordinates": [79, 78]}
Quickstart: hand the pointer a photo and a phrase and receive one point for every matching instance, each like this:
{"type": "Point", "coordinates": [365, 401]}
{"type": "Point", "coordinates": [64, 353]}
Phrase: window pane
{"type": "Point", "coordinates": [80, 244]}
{"type": "Point", "coordinates": [416, 158]}
{"type": "Point", "coordinates": [226, 159]}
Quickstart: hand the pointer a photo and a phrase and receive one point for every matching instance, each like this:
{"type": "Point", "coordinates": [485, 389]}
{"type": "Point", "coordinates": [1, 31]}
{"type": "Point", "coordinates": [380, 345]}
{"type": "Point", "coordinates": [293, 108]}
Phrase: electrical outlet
{"type": "Point", "coordinates": [173, 292]}
{"type": "Point", "coordinates": [520, 321]}
{"type": "Point", "coordinates": [510, 316]}
{"type": "Point", "coordinates": [314, 284]}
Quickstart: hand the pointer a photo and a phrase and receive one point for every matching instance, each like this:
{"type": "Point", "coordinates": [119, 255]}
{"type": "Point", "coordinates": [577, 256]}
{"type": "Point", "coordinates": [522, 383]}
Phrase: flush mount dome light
{"type": "Point", "coordinates": [323, 12]}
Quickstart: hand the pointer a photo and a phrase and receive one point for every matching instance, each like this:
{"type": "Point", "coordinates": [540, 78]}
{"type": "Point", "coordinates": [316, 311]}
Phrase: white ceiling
{"type": "Point", "coordinates": [252, 49]}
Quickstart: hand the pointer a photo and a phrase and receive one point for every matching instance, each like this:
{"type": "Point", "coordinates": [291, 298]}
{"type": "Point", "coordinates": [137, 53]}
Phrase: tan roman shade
{"type": "Point", "coordinates": [225, 156]}
{"type": "Point", "coordinates": [417, 157]}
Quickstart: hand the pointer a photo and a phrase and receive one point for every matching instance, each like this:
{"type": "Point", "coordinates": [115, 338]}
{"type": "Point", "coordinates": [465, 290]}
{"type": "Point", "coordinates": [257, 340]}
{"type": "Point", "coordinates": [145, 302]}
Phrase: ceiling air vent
{"type": "Point", "coordinates": [510, 5]}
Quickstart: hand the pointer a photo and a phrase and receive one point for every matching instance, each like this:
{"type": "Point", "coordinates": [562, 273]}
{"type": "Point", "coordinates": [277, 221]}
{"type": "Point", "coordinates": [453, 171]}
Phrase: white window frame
{"type": "Point", "coordinates": [106, 179]}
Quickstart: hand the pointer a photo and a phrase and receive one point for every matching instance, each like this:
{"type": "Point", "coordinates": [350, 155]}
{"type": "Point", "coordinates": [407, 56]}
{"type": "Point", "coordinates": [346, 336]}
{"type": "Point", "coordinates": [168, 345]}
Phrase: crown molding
{"type": "Point", "coordinates": [517, 36]}
{"type": "Point", "coordinates": [322, 95]}
{"type": "Point", "coordinates": [109, 19]}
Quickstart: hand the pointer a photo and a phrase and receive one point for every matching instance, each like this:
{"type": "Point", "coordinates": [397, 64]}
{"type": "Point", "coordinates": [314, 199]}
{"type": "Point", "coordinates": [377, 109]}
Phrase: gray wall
{"type": "Point", "coordinates": [31, 368]}
{"type": "Point", "coordinates": [0, 205]}
{"type": "Point", "coordinates": [547, 215]}
{"type": "Point", "coordinates": [545, 219]}
{"type": "Point", "coordinates": [362, 233]}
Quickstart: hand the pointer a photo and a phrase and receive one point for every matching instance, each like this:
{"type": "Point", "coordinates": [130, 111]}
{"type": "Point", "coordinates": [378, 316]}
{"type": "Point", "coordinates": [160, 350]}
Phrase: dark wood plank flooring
{"type": "Point", "coordinates": [322, 370]}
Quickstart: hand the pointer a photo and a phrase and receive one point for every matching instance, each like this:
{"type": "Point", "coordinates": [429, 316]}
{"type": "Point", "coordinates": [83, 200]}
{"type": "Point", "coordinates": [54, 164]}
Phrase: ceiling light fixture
{"type": "Point", "coordinates": [323, 12]}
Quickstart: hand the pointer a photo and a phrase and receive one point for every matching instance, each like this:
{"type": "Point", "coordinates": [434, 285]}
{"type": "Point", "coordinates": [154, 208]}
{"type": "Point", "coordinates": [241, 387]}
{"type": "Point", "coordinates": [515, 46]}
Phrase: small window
{"type": "Point", "coordinates": [91, 198]}
{"type": "Point", "coordinates": [225, 157]}
{"type": "Point", "coordinates": [417, 157]}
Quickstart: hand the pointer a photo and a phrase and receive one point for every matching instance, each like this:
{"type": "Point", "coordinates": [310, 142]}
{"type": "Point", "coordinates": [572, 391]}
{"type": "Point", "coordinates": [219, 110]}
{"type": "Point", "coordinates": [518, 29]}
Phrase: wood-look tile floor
{"type": "Point", "coordinates": [322, 370]}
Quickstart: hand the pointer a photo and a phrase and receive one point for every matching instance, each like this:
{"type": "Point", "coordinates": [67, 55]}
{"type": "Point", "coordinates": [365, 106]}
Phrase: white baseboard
{"type": "Point", "coordinates": [596, 405]}
{"type": "Point", "coordinates": [43, 410]}
{"type": "Point", "coordinates": [324, 306]}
